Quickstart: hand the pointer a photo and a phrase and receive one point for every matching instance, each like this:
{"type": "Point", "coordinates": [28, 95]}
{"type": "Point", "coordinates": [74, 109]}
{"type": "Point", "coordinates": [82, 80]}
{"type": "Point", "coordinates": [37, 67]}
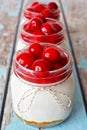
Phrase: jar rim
{"type": "Point", "coordinates": [58, 75]}
{"type": "Point", "coordinates": [31, 34]}
{"type": "Point", "coordinates": [26, 9]}
{"type": "Point", "coordinates": [52, 71]}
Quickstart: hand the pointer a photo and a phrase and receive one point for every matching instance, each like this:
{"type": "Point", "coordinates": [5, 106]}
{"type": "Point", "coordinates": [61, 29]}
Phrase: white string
{"type": "Point", "coordinates": [31, 94]}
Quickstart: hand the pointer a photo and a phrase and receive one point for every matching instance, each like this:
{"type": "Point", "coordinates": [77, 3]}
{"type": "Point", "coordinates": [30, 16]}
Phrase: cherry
{"type": "Point", "coordinates": [57, 27]}
{"type": "Point", "coordinates": [40, 16]}
{"type": "Point", "coordinates": [52, 5]}
{"type": "Point", "coordinates": [57, 65]}
{"type": "Point", "coordinates": [38, 32]}
{"type": "Point", "coordinates": [46, 12]}
{"type": "Point", "coordinates": [47, 28]}
{"type": "Point", "coordinates": [39, 7]}
{"type": "Point", "coordinates": [26, 27]}
{"type": "Point", "coordinates": [64, 58]}
{"type": "Point", "coordinates": [36, 49]}
{"type": "Point", "coordinates": [41, 65]}
{"type": "Point", "coordinates": [25, 59]}
{"type": "Point", "coordinates": [51, 54]}
{"type": "Point", "coordinates": [35, 23]}
{"type": "Point", "coordinates": [34, 3]}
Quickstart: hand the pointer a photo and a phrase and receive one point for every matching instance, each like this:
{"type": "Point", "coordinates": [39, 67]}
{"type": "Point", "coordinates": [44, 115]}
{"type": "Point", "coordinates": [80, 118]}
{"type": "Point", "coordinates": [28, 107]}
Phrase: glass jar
{"type": "Point", "coordinates": [42, 101]}
{"type": "Point", "coordinates": [30, 13]}
{"type": "Point", "coordinates": [27, 38]}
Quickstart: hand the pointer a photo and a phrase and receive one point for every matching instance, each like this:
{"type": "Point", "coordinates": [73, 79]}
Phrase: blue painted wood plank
{"type": "Point", "coordinates": [82, 63]}
{"type": "Point", "coordinates": [76, 19]}
{"type": "Point", "coordinates": [9, 11]}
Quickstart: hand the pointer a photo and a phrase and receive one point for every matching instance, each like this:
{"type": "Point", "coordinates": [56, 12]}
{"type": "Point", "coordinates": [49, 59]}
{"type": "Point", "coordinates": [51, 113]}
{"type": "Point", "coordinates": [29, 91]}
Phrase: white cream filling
{"type": "Point", "coordinates": [41, 105]}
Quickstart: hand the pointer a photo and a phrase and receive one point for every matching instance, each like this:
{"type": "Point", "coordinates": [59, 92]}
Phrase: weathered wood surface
{"type": "Point", "coordinates": [9, 10]}
{"type": "Point", "coordinates": [11, 122]}
{"type": "Point", "coordinates": [76, 17]}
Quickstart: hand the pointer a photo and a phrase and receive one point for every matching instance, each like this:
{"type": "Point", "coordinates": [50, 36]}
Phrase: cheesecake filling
{"type": "Point", "coordinates": [38, 104]}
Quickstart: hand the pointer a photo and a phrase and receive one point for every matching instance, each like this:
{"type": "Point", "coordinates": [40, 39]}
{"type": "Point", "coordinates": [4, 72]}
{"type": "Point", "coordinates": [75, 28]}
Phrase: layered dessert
{"type": "Point", "coordinates": [48, 10]}
{"type": "Point", "coordinates": [40, 29]}
{"type": "Point", "coordinates": [42, 84]}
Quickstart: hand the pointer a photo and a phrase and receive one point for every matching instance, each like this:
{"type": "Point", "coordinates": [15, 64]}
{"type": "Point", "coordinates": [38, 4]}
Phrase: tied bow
{"type": "Point", "coordinates": [29, 96]}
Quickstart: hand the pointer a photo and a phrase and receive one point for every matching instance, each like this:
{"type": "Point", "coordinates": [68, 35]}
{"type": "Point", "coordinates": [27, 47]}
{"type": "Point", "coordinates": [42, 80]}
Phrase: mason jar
{"type": "Point", "coordinates": [41, 8]}
{"type": "Point", "coordinates": [46, 100]}
{"type": "Point", "coordinates": [26, 38]}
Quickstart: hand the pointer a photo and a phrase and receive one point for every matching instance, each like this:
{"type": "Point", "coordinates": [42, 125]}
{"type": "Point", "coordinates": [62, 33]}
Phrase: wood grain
{"type": "Point", "coordinates": [9, 117]}
{"type": "Point", "coordinates": [76, 16]}
{"type": "Point", "coordinates": [8, 18]}
{"type": "Point", "coordinates": [11, 122]}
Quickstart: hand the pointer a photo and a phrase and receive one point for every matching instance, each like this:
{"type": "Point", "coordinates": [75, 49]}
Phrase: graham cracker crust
{"type": "Point", "coordinates": [40, 124]}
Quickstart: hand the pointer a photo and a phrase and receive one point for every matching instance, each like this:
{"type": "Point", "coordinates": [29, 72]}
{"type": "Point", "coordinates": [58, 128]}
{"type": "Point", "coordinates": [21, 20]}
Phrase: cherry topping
{"type": "Point", "coordinates": [26, 27]}
{"type": "Point", "coordinates": [57, 65]}
{"type": "Point", "coordinates": [39, 7]}
{"type": "Point", "coordinates": [25, 59]}
{"type": "Point", "coordinates": [43, 60]}
{"type": "Point", "coordinates": [35, 23]}
{"type": "Point", "coordinates": [51, 54]}
{"type": "Point", "coordinates": [35, 3]}
{"type": "Point", "coordinates": [43, 30]}
{"type": "Point", "coordinates": [57, 27]}
{"type": "Point", "coordinates": [46, 12]}
{"type": "Point", "coordinates": [36, 49]}
{"type": "Point", "coordinates": [41, 65]}
{"type": "Point", "coordinates": [47, 28]}
{"type": "Point", "coordinates": [38, 32]}
{"type": "Point", "coordinates": [52, 5]}
{"type": "Point", "coordinates": [64, 58]}
{"type": "Point", "coordinates": [40, 16]}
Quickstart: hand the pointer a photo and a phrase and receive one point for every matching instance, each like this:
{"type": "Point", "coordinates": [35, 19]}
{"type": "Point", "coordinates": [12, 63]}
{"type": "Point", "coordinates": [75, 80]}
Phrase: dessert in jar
{"type": "Point", "coordinates": [42, 85]}
{"type": "Point", "coordinates": [39, 29]}
{"type": "Point", "coordinates": [48, 10]}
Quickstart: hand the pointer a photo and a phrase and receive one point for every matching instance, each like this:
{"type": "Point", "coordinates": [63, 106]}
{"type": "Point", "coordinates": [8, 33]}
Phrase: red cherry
{"type": "Point", "coordinates": [38, 36]}
{"type": "Point", "coordinates": [35, 23]}
{"type": "Point", "coordinates": [57, 65]}
{"type": "Point", "coordinates": [39, 7]}
{"type": "Point", "coordinates": [64, 58]}
{"type": "Point", "coordinates": [53, 5]}
{"type": "Point", "coordinates": [38, 32]}
{"type": "Point", "coordinates": [36, 49]}
{"type": "Point", "coordinates": [46, 12]}
{"type": "Point", "coordinates": [26, 27]}
{"type": "Point", "coordinates": [55, 15]}
{"type": "Point", "coordinates": [47, 28]}
{"type": "Point", "coordinates": [35, 3]}
{"type": "Point", "coordinates": [57, 27]}
{"type": "Point", "coordinates": [51, 54]}
{"type": "Point", "coordinates": [41, 65]}
{"type": "Point", "coordinates": [25, 59]}
{"type": "Point", "coordinates": [40, 16]}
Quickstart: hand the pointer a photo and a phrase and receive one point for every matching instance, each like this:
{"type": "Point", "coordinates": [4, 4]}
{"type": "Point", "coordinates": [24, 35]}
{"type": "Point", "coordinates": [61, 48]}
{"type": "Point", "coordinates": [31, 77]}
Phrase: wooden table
{"type": "Point", "coordinates": [74, 18]}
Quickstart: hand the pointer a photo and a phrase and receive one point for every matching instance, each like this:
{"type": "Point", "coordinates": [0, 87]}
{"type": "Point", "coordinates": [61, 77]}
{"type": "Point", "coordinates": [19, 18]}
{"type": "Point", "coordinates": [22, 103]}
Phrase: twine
{"type": "Point", "coordinates": [31, 94]}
